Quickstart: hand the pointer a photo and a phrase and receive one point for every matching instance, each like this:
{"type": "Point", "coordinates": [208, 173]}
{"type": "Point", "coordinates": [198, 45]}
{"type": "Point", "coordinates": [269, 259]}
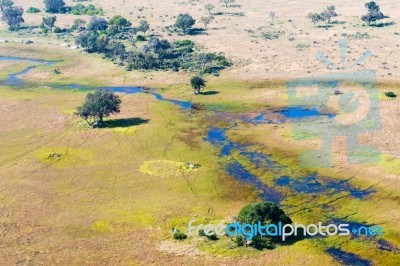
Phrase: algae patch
{"type": "Point", "coordinates": [64, 156]}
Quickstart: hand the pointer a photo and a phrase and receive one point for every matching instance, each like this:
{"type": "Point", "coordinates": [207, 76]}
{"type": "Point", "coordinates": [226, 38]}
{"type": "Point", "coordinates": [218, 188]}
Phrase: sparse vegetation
{"type": "Point", "coordinates": [227, 2]}
{"type": "Point", "coordinates": [206, 21]}
{"type": "Point", "coordinates": [49, 22]}
{"type": "Point", "coordinates": [272, 35]}
{"type": "Point", "coordinates": [209, 7]}
{"type": "Point", "coordinates": [315, 18]}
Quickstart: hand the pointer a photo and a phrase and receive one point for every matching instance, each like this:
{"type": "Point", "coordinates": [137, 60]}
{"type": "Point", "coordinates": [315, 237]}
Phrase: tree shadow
{"type": "Point", "coordinates": [210, 93]}
{"type": "Point", "coordinates": [337, 22]}
{"type": "Point", "coordinates": [197, 31]}
{"type": "Point", "coordinates": [324, 26]}
{"type": "Point", "coordinates": [383, 24]}
{"type": "Point", "coordinates": [125, 122]}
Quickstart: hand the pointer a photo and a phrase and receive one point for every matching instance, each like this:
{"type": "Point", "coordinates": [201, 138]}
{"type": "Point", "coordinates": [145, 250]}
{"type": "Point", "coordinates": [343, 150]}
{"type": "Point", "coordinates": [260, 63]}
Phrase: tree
{"type": "Point", "coordinates": [120, 22]}
{"type": "Point", "coordinates": [98, 24]}
{"type": "Point", "coordinates": [5, 3]}
{"type": "Point", "coordinates": [49, 22]}
{"type": "Point", "coordinates": [79, 24]}
{"type": "Point", "coordinates": [209, 7]}
{"type": "Point", "coordinates": [54, 6]}
{"type": "Point", "coordinates": [197, 83]}
{"type": "Point", "coordinates": [13, 17]}
{"type": "Point", "coordinates": [184, 22]}
{"type": "Point", "coordinates": [314, 17]}
{"type": "Point", "coordinates": [97, 106]}
{"type": "Point", "coordinates": [227, 2]}
{"type": "Point", "coordinates": [329, 13]}
{"type": "Point", "coordinates": [206, 20]}
{"type": "Point", "coordinates": [373, 14]}
{"type": "Point", "coordinates": [87, 40]}
{"type": "Point", "coordinates": [272, 16]}
{"type": "Point", "coordinates": [266, 213]}
{"type": "Point", "coordinates": [144, 26]}
{"type": "Point", "coordinates": [116, 50]}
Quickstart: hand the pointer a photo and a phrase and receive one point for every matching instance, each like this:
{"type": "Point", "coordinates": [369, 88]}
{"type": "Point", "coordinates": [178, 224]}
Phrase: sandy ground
{"type": "Point", "coordinates": [239, 37]}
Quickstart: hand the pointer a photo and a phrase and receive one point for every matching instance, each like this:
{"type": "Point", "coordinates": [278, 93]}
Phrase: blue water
{"type": "Point", "coordinates": [15, 80]}
{"type": "Point", "coordinates": [347, 258]}
{"type": "Point", "coordinates": [301, 112]}
{"type": "Point", "coordinates": [315, 184]}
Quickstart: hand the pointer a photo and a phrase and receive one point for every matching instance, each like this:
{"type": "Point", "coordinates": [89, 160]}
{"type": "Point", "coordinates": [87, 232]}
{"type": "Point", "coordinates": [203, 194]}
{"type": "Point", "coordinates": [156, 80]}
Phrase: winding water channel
{"type": "Point", "coordinates": [312, 184]}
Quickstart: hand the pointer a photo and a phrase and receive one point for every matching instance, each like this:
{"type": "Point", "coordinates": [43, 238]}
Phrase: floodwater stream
{"type": "Point", "coordinates": [312, 184]}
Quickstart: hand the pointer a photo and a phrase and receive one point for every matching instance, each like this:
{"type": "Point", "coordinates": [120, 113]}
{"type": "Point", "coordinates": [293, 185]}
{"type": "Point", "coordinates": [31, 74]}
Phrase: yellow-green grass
{"type": "Point", "coordinates": [110, 189]}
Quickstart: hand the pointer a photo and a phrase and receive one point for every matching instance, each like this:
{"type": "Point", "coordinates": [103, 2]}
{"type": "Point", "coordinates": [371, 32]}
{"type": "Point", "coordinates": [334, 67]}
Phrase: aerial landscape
{"type": "Point", "coordinates": [199, 132]}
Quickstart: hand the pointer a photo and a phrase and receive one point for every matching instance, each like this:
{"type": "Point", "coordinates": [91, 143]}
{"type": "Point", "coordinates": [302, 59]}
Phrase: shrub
{"type": "Point", "coordinates": [57, 30]}
{"type": "Point", "coordinates": [141, 38]}
{"type": "Point", "coordinates": [240, 241]}
{"type": "Point", "coordinates": [33, 10]}
{"type": "Point", "coordinates": [90, 10]}
{"type": "Point", "coordinates": [180, 235]}
{"type": "Point", "coordinates": [390, 94]}
{"type": "Point", "coordinates": [212, 237]}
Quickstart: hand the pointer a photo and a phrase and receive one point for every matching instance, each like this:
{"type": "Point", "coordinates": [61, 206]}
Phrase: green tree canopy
{"type": "Point", "coordinates": [13, 17]}
{"type": "Point", "coordinates": [197, 83]}
{"type": "Point", "coordinates": [264, 212]}
{"type": "Point", "coordinates": [98, 105]}
{"type": "Point", "coordinates": [5, 3]}
{"type": "Point", "coordinates": [184, 22]}
{"type": "Point", "coordinates": [120, 22]}
{"type": "Point", "coordinates": [144, 26]}
{"type": "Point", "coordinates": [49, 22]}
{"type": "Point", "coordinates": [373, 14]}
{"type": "Point", "coordinates": [54, 6]}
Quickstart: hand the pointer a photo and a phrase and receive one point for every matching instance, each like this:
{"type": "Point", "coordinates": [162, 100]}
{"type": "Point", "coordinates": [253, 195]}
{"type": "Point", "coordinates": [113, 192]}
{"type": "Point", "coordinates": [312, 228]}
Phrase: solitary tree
{"type": "Point", "coordinates": [98, 24]}
{"type": "Point", "coordinates": [54, 6]}
{"type": "Point", "coordinates": [272, 16]}
{"type": "Point", "coordinates": [144, 26]}
{"type": "Point", "coordinates": [13, 17]}
{"type": "Point", "coordinates": [314, 17]}
{"type": "Point", "coordinates": [5, 3]}
{"type": "Point", "coordinates": [97, 106]}
{"type": "Point", "coordinates": [197, 84]}
{"type": "Point", "coordinates": [206, 20]}
{"type": "Point", "coordinates": [49, 22]}
{"type": "Point", "coordinates": [79, 24]}
{"type": "Point", "coordinates": [209, 7]}
{"type": "Point", "coordinates": [227, 2]}
{"type": "Point", "coordinates": [264, 213]}
{"type": "Point", "coordinates": [184, 22]}
{"type": "Point", "coordinates": [329, 13]}
{"type": "Point", "coordinates": [120, 22]}
{"type": "Point", "coordinates": [373, 14]}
